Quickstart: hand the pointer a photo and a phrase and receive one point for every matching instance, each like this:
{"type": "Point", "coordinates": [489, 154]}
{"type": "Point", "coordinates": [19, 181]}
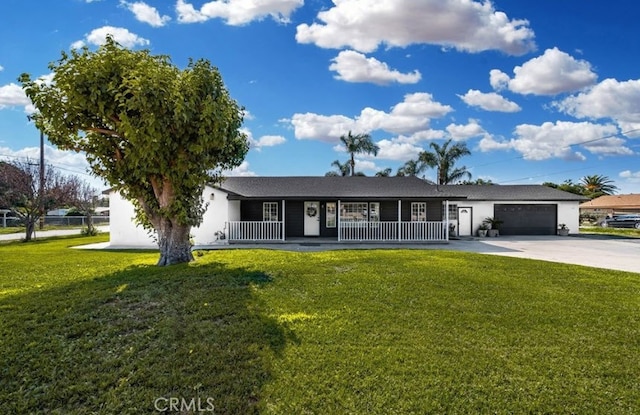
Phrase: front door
{"type": "Point", "coordinates": [464, 221]}
{"type": "Point", "coordinates": [311, 218]}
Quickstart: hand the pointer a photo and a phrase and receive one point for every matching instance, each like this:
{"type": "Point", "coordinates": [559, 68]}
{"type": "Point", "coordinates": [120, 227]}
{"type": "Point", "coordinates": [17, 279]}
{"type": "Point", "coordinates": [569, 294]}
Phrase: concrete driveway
{"type": "Point", "coordinates": [599, 251]}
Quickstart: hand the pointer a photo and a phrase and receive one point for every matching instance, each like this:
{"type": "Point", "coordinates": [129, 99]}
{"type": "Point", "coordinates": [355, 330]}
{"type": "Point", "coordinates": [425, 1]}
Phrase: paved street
{"type": "Point", "coordinates": [45, 234]}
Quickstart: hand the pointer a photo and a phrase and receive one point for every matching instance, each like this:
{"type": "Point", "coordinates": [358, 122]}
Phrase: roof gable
{"type": "Point", "coordinates": [613, 202]}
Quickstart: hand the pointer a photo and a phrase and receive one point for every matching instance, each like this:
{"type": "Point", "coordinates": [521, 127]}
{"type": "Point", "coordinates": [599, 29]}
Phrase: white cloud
{"type": "Point", "coordinates": [489, 101]}
{"type": "Point", "coordinates": [1, 68]}
{"type": "Point", "coordinates": [241, 170]}
{"type": "Point", "coordinates": [352, 66]}
{"type": "Point", "coordinates": [121, 35]}
{"type": "Point", "coordinates": [67, 162]}
{"type": "Point", "coordinates": [188, 14]}
{"type": "Point", "coordinates": [366, 165]}
{"type": "Point", "coordinates": [552, 73]}
{"type": "Point", "coordinates": [146, 14]}
{"type": "Point", "coordinates": [619, 101]}
{"type": "Point", "coordinates": [237, 12]}
{"type": "Point", "coordinates": [554, 140]}
{"type": "Point", "coordinates": [631, 177]}
{"type": "Point", "coordinates": [321, 127]}
{"type": "Point", "coordinates": [464, 132]}
{"type": "Point", "coordinates": [462, 24]}
{"type": "Point", "coordinates": [271, 140]}
{"type": "Point", "coordinates": [264, 141]}
{"type": "Point", "coordinates": [498, 79]}
{"type": "Point", "coordinates": [12, 95]}
{"type": "Point", "coordinates": [407, 117]}
{"type": "Point", "coordinates": [396, 150]}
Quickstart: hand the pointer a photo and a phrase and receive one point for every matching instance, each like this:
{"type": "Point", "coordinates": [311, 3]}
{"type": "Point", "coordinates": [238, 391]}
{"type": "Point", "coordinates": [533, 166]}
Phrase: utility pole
{"type": "Point", "coordinates": [42, 212]}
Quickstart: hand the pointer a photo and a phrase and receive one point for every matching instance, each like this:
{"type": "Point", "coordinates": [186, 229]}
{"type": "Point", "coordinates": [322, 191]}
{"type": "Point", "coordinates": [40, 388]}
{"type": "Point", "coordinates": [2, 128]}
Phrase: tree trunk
{"type": "Point", "coordinates": [173, 241]}
{"type": "Point", "coordinates": [90, 227]}
{"type": "Point", "coordinates": [30, 225]}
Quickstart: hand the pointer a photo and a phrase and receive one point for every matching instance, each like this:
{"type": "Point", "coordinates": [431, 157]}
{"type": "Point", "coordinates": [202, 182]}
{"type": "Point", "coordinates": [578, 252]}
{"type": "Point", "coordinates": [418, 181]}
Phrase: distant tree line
{"type": "Point", "coordinates": [443, 158]}
{"type": "Point", "coordinates": [592, 186]}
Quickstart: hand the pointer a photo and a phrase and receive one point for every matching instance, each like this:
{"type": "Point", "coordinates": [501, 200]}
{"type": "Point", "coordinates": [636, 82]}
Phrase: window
{"type": "Point", "coordinates": [418, 212]}
{"type": "Point", "coordinates": [270, 211]}
{"type": "Point", "coordinates": [354, 212]}
{"type": "Point", "coordinates": [453, 213]}
{"type": "Point", "coordinates": [374, 212]}
{"type": "Point", "coordinates": [331, 215]}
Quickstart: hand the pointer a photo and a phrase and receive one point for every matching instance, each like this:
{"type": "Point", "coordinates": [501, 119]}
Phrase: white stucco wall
{"type": "Point", "coordinates": [125, 233]}
{"type": "Point", "coordinates": [568, 212]}
{"type": "Point", "coordinates": [214, 218]}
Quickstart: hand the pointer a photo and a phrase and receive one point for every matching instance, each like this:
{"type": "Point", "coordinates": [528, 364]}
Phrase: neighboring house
{"type": "Point", "coordinates": [356, 209]}
{"type": "Point", "coordinates": [610, 204]}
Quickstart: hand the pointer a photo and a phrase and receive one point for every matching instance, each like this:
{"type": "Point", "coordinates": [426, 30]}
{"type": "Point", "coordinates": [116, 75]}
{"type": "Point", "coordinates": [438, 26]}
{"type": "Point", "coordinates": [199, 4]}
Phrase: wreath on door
{"type": "Point", "coordinates": [312, 211]}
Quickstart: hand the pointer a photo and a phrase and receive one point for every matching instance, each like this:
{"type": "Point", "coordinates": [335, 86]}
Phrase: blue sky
{"type": "Point", "coordinates": [541, 90]}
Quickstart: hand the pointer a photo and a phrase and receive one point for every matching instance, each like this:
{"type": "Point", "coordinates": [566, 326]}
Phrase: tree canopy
{"type": "Point", "coordinates": [22, 192]}
{"type": "Point", "coordinates": [154, 132]}
{"type": "Point", "coordinates": [411, 168]}
{"type": "Point", "coordinates": [443, 158]}
{"type": "Point", "coordinates": [358, 144]}
{"type": "Point", "coordinates": [590, 186]}
{"type": "Point", "coordinates": [597, 185]}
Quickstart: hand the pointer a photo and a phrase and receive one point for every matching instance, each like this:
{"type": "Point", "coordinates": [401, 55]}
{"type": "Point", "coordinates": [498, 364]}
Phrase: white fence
{"type": "Point", "coordinates": [392, 231]}
{"type": "Point", "coordinates": [255, 231]}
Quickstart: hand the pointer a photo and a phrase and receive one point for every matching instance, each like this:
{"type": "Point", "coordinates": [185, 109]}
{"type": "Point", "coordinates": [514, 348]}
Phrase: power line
{"type": "Point", "coordinates": [558, 172]}
{"type": "Point", "coordinates": [59, 167]}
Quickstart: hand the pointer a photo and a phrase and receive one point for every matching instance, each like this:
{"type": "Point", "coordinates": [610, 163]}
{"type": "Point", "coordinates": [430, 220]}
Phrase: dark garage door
{"type": "Point", "coordinates": [529, 219]}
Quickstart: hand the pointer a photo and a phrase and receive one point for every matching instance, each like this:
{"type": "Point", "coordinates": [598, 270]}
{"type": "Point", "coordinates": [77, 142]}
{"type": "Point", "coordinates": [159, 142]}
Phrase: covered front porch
{"type": "Point", "coordinates": [341, 221]}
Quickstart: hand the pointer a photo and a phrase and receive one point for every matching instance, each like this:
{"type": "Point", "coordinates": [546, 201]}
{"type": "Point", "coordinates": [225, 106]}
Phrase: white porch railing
{"type": "Point", "coordinates": [348, 231]}
{"type": "Point", "coordinates": [255, 231]}
{"type": "Point", "coordinates": [392, 231]}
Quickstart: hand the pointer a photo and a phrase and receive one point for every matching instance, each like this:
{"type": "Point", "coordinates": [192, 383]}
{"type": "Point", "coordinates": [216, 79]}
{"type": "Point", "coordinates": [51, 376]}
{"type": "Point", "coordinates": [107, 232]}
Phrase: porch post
{"type": "Point", "coordinates": [283, 220]}
{"type": "Point", "coordinates": [399, 219]}
{"type": "Point", "coordinates": [339, 221]}
{"type": "Point", "coordinates": [446, 215]}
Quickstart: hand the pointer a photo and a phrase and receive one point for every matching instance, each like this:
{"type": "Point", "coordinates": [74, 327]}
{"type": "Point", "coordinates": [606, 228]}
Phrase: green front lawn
{"type": "Point", "coordinates": [625, 232]}
{"type": "Point", "coordinates": [361, 332]}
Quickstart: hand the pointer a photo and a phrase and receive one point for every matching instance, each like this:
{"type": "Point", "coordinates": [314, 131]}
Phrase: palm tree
{"type": "Point", "coordinates": [412, 168]}
{"type": "Point", "coordinates": [444, 158]}
{"type": "Point", "coordinates": [384, 173]}
{"type": "Point", "coordinates": [358, 144]}
{"type": "Point", "coordinates": [342, 169]}
{"type": "Point", "coordinates": [597, 185]}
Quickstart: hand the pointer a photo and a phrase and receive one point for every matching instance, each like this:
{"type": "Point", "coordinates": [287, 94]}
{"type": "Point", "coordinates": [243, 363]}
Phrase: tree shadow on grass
{"type": "Point", "coordinates": [140, 341]}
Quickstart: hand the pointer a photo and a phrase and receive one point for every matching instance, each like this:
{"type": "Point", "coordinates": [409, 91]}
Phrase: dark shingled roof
{"type": "Point", "coordinates": [361, 187]}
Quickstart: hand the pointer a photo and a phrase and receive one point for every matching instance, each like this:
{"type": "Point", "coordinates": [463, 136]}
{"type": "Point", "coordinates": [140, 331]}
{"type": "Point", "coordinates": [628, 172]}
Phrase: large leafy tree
{"type": "Point", "coordinates": [154, 132]}
{"type": "Point", "coordinates": [597, 185]}
{"type": "Point", "coordinates": [22, 192]}
{"type": "Point", "coordinates": [358, 144]}
{"type": "Point", "coordinates": [443, 158]}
